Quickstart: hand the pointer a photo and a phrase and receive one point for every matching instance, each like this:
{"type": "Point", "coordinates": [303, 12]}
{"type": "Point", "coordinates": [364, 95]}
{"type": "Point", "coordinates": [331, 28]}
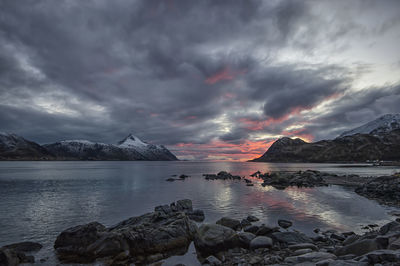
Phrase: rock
{"type": "Point", "coordinates": [285, 224]}
{"type": "Point", "coordinates": [8, 257]}
{"type": "Point", "coordinates": [291, 237]}
{"type": "Point", "coordinates": [245, 223]}
{"type": "Point", "coordinates": [162, 233]}
{"type": "Point", "coordinates": [302, 251]}
{"type": "Point", "coordinates": [212, 261]}
{"type": "Point", "coordinates": [394, 244]}
{"type": "Point", "coordinates": [358, 248]}
{"type": "Point", "coordinates": [310, 257]}
{"type": "Point", "coordinates": [252, 218]}
{"type": "Point", "coordinates": [264, 230]}
{"type": "Point", "coordinates": [24, 246]}
{"type": "Point", "coordinates": [247, 181]}
{"type": "Point", "coordinates": [338, 237]}
{"type": "Point", "coordinates": [251, 229]}
{"type": "Point", "coordinates": [389, 227]}
{"type": "Point", "coordinates": [261, 242]}
{"type": "Point", "coordinates": [351, 239]}
{"type": "Point", "coordinates": [250, 184]}
{"type": "Point", "coordinates": [212, 238]}
{"type": "Point", "coordinates": [170, 179]}
{"type": "Point", "coordinates": [326, 262]}
{"type": "Point", "coordinates": [383, 255]}
{"type": "Point", "coordinates": [347, 263]}
{"type": "Point", "coordinates": [229, 222]}
{"type": "Point", "coordinates": [303, 246]}
{"type": "Point", "coordinates": [183, 176]}
{"type": "Point", "coordinates": [196, 215]}
{"type": "Point", "coordinates": [243, 239]}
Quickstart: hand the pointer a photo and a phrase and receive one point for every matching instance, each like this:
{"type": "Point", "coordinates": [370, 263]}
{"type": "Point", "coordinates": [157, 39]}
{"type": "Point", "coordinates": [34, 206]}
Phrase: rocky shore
{"type": "Point", "coordinates": [151, 238]}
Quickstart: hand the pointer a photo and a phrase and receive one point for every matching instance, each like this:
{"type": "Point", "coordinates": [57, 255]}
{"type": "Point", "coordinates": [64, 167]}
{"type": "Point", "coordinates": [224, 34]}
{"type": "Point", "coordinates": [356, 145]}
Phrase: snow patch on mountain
{"type": "Point", "coordinates": [382, 125]}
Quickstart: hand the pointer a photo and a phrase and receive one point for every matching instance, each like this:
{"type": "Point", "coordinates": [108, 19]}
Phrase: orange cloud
{"type": "Point", "coordinates": [225, 74]}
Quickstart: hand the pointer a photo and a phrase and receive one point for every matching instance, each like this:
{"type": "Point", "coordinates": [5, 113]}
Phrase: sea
{"type": "Point", "coordinates": [38, 200]}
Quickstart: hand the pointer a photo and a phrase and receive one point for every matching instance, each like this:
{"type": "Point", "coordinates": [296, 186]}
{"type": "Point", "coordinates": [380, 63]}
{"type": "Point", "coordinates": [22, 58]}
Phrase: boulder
{"type": "Point", "coordinates": [261, 242]}
{"type": "Point", "coordinates": [229, 222]}
{"type": "Point", "coordinates": [243, 239]}
{"type": "Point", "coordinates": [358, 248]}
{"type": "Point", "coordinates": [212, 238]}
{"type": "Point", "coordinates": [252, 218]}
{"type": "Point", "coordinates": [162, 233]}
{"type": "Point", "coordinates": [251, 229]}
{"type": "Point", "coordinates": [303, 246]}
{"type": "Point", "coordinates": [383, 256]}
{"type": "Point", "coordinates": [25, 246]}
{"type": "Point", "coordinates": [264, 230]}
{"type": "Point", "coordinates": [212, 261]}
{"type": "Point", "coordinates": [284, 223]}
{"type": "Point", "coordinates": [196, 215]}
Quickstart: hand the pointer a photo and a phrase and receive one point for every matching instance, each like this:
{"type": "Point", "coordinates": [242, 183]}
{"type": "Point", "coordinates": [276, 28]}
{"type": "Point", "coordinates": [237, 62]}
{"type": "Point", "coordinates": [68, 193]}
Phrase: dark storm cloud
{"type": "Point", "coordinates": [169, 71]}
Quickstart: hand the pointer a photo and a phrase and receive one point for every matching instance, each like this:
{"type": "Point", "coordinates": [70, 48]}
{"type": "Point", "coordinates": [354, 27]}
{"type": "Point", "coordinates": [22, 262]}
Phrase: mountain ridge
{"type": "Point", "coordinates": [14, 147]}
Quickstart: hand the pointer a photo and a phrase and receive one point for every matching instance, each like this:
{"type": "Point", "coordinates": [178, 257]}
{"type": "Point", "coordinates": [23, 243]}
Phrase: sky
{"type": "Point", "coordinates": [211, 79]}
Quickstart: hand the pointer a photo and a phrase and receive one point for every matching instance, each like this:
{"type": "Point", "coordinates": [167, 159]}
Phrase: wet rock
{"type": "Point", "coordinates": [389, 227]}
{"type": "Point", "coordinates": [264, 230]}
{"type": "Point", "coordinates": [212, 238]}
{"type": "Point", "coordinates": [245, 223]}
{"type": "Point", "coordinates": [170, 179]}
{"type": "Point", "coordinates": [243, 239]}
{"type": "Point", "coordinates": [302, 251]}
{"type": "Point", "coordinates": [351, 239]}
{"type": "Point", "coordinates": [247, 180]}
{"type": "Point", "coordinates": [385, 189]}
{"type": "Point", "coordinates": [291, 237]}
{"type": "Point", "coordinates": [25, 246]}
{"type": "Point", "coordinates": [303, 246]}
{"type": "Point", "coordinates": [285, 224]}
{"type": "Point", "coordinates": [310, 257]}
{"type": "Point", "coordinates": [250, 184]}
{"type": "Point", "coordinates": [165, 231]}
{"type": "Point", "coordinates": [338, 237]}
{"type": "Point", "coordinates": [252, 218]}
{"type": "Point", "coordinates": [196, 215]}
{"type": "Point", "coordinates": [281, 180]}
{"type": "Point", "coordinates": [358, 248]}
{"type": "Point", "coordinates": [229, 222]}
{"type": "Point", "coordinates": [251, 229]}
{"type": "Point", "coordinates": [212, 261]}
{"type": "Point", "coordinates": [261, 242]}
{"type": "Point", "coordinates": [383, 256]}
{"type": "Point", "coordinates": [183, 176]}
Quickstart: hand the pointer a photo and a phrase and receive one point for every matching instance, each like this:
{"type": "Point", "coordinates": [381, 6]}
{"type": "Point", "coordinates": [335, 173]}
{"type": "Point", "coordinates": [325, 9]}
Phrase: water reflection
{"type": "Point", "coordinates": [40, 199]}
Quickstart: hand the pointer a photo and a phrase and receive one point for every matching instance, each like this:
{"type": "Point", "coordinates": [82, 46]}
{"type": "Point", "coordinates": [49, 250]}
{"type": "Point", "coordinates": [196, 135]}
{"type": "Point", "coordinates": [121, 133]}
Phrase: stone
{"type": "Point", "coordinates": [350, 239]}
{"type": "Point", "coordinates": [392, 226]}
{"type": "Point", "coordinates": [284, 223]}
{"type": "Point", "coordinates": [338, 237]}
{"type": "Point", "coordinates": [291, 237]}
{"type": "Point", "coordinates": [251, 229]}
{"type": "Point", "coordinates": [170, 179]}
{"type": "Point", "coordinates": [252, 218]}
{"type": "Point", "coordinates": [261, 242]}
{"type": "Point", "coordinates": [243, 239]}
{"type": "Point", "coordinates": [212, 238]}
{"type": "Point", "coordinates": [229, 222]}
{"type": "Point", "coordinates": [196, 215]}
{"type": "Point", "coordinates": [166, 231]}
{"type": "Point", "coordinates": [383, 255]}
{"type": "Point", "coordinates": [264, 230]}
{"type": "Point", "coordinates": [302, 251]}
{"type": "Point", "coordinates": [24, 246]}
{"type": "Point", "coordinates": [303, 246]}
{"type": "Point", "coordinates": [212, 261]}
{"type": "Point", "coordinates": [310, 257]}
{"type": "Point", "coordinates": [358, 248]}
{"type": "Point", "coordinates": [245, 223]}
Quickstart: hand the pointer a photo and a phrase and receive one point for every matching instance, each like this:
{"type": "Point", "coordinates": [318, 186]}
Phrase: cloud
{"type": "Point", "coordinates": [214, 74]}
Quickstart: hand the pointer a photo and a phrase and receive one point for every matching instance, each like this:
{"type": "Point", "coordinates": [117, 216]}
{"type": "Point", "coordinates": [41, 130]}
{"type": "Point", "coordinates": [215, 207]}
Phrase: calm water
{"type": "Point", "coordinates": [40, 199]}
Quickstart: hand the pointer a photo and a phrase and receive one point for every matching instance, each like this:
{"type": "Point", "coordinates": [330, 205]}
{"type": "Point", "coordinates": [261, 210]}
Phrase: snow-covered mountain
{"type": "Point", "coordinates": [14, 147]}
{"type": "Point", "coordinates": [382, 125]}
{"type": "Point", "coordinates": [150, 151]}
{"type": "Point", "coordinates": [130, 148]}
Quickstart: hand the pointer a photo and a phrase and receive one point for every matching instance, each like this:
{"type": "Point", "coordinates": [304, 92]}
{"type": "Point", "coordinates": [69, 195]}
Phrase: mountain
{"type": "Point", "coordinates": [129, 149]}
{"type": "Point", "coordinates": [13, 147]}
{"type": "Point", "coordinates": [382, 125]}
{"type": "Point", "coordinates": [149, 151]}
{"type": "Point", "coordinates": [354, 148]}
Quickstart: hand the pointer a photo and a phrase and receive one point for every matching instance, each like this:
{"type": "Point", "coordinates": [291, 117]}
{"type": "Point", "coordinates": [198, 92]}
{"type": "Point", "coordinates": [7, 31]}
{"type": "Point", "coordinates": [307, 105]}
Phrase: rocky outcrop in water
{"type": "Point", "coordinates": [221, 176]}
{"type": "Point", "coordinates": [385, 189]}
{"type": "Point", "coordinates": [18, 253]}
{"type": "Point", "coordinates": [282, 180]}
{"type": "Point", "coordinates": [354, 148]}
{"type": "Point", "coordinates": [144, 239]}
